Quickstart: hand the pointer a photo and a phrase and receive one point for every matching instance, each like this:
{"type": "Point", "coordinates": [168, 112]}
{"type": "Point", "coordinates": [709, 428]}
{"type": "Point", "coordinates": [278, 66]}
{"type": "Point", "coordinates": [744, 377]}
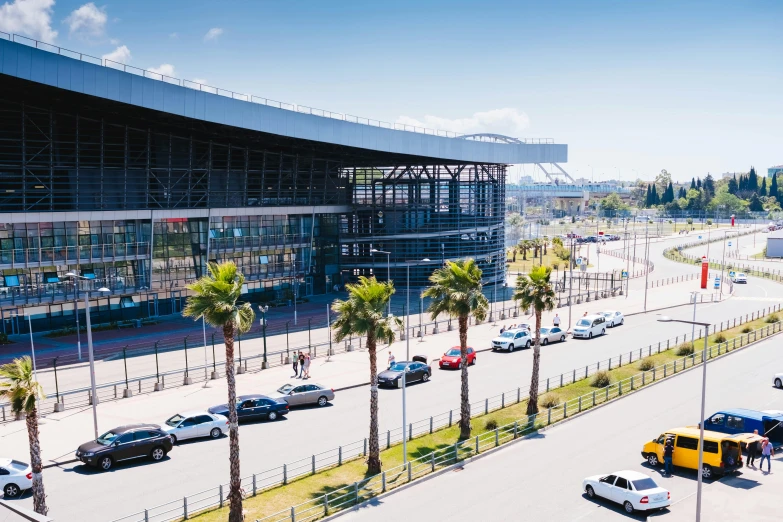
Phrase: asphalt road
{"type": "Point", "coordinates": [196, 466]}
{"type": "Point", "coordinates": [540, 478]}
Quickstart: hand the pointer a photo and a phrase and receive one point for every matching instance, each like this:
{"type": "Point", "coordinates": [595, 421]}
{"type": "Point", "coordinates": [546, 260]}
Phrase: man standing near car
{"type": "Point", "coordinates": [766, 453]}
{"type": "Point", "coordinates": [668, 455]}
{"type": "Point", "coordinates": [556, 321]}
{"type": "Point", "coordinates": [753, 449]}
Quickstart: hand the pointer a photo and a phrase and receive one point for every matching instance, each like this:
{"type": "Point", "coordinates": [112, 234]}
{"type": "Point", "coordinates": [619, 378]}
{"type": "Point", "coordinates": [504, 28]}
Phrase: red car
{"type": "Point", "coordinates": [453, 359]}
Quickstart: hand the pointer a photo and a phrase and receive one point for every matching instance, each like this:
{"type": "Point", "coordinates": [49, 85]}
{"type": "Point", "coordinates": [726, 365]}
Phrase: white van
{"type": "Point", "coordinates": [590, 326]}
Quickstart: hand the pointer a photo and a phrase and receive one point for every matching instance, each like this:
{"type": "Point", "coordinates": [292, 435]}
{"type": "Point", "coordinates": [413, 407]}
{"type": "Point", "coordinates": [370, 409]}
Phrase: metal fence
{"type": "Point", "coordinates": [312, 464]}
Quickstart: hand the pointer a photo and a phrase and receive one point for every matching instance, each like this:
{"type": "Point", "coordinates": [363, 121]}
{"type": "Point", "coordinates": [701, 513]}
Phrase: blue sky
{"type": "Point", "coordinates": [632, 87]}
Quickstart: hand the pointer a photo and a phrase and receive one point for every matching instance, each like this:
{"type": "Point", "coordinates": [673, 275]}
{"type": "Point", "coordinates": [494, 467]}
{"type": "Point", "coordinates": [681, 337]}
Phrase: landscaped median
{"type": "Point", "coordinates": [346, 484]}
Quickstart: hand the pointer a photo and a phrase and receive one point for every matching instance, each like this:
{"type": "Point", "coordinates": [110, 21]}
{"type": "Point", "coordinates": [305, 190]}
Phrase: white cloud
{"type": "Point", "coordinates": [121, 54]}
{"type": "Point", "coordinates": [507, 121]}
{"type": "Point", "coordinates": [31, 18]}
{"type": "Point", "coordinates": [174, 36]}
{"type": "Point", "coordinates": [87, 21]}
{"type": "Point", "coordinates": [114, 41]}
{"type": "Point", "coordinates": [166, 69]}
{"type": "Point", "coordinates": [213, 34]}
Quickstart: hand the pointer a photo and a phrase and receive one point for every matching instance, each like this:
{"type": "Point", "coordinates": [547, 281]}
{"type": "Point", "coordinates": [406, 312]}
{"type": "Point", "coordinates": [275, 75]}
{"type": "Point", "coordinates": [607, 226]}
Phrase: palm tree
{"type": "Point", "coordinates": [23, 392]}
{"type": "Point", "coordinates": [534, 289]}
{"type": "Point", "coordinates": [456, 292]}
{"type": "Point", "coordinates": [216, 299]}
{"type": "Point", "coordinates": [363, 313]}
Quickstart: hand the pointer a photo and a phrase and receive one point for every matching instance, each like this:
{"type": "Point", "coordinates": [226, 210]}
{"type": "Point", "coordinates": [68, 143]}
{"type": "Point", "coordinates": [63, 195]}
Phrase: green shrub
{"type": "Point", "coordinates": [747, 329]}
{"type": "Point", "coordinates": [646, 364]}
{"type": "Point", "coordinates": [771, 319]}
{"type": "Point", "coordinates": [689, 221]}
{"type": "Point", "coordinates": [709, 222]}
{"type": "Point", "coordinates": [684, 349]}
{"type": "Point", "coordinates": [719, 338]}
{"type": "Point", "coordinates": [550, 400]}
{"type": "Point", "coordinates": [601, 379]}
{"type": "Point", "coordinates": [491, 425]}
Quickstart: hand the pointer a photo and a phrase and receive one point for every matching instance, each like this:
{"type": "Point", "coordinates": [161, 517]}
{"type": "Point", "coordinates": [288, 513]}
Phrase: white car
{"type": "Point", "coordinates": [511, 339]}
{"type": "Point", "coordinates": [778, 380]}
{"type": "Point", "coordinates": [635, 491]}
{"type": "Point", "coordinates": [15, 477]}
{"type": "Point", "coordinates": [589, 326]}
{"type": "Point", "coordinates": [195, 424]}
{"type": "Point", "coordinates": [740, 277]}
{"type": "Point", "coordinates": [613, 318]}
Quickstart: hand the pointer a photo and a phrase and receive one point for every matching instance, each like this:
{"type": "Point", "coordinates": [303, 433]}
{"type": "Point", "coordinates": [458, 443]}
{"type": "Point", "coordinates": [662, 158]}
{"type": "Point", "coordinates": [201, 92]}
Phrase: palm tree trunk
{"type": "Point", "coordinates": [464, 409]}
{"type": "Point", "coordinates": [532, 403]}
{"type": "Point", "coordinates": [235, 486]}
{"type": "Point", "coordinates": [374, 450]}
{"type": "Point", "coordinates": [39, 496]}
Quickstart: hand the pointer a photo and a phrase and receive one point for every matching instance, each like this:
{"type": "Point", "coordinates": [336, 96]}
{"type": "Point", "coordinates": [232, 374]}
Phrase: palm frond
{"type": "Point", "coordinates": [20, 387]}
{"type": "Point", "coordinates": [216, 298]}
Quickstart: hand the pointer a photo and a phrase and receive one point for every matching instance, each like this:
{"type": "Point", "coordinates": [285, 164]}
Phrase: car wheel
{"type": "Point", "coordinates": [652, 460]}
{"type": "Point", "coordinates": [105, 463]}
{"type": "Point", "coordinates": [11, 491]}
{"type": "Point", "coordinates": [510, 347]}
{"type": "Point", "coordinates": [322, 400]}
{"type": "Point", "coordinates": [272, 415]}
{"type": "Point", "coordinates": [706, 471]}
{"type": "Point", "coordinates": [603, 331]}
{"type": "Point", "coordinates": [590, 335]}
{"type": "Point", "coordinates": [545, 341]}
{"type": "Point", "coordinates": [425, 377]}
{"type": "Point", "coordinates": [778, 383]}
{"type": "Point", "coordinates": [622, 321]}
{"type": "Point", "coordinates": [527, 345]}
{"type": "Point", "coordinates": [173, 439]}
{"type": "Point", "coordinates": [562, 338]}
{"type": "Point", "coordinates": [590, 491]}
{"type": "Point", "coordinates": [474, 361]}
{"type": "Point", "coordinates": [215, 433]}
{"type": "Point", "coordinates": [628, 507]}
{"type": "Point", "coordinates": [158, 453]}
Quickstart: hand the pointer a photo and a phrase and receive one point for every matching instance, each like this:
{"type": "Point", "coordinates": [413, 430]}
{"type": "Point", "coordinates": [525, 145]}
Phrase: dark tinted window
{"type": "Point", "coordinates": [609, 479]}
{"type": "Point", "coordinates": [123, 439]}
{"type": "Point", "coordinates": [718, 419]}
{"type": "Point", "coordinates": [201, 419]}
{"type": "Point", "coordinates": [4, 471]}
{"type": "Point", "coordinates": [312, 387]}
{"type": "Point", "coordinates": [644, 484]}
{"type": "Point", "coordinates": [710, 446]}
{"type": "Point", "coordinates": [738, 423]}
{"type": "Point", "coordinates": [687, 442]}
{"type": "Point", "coordinates": [299, 389]}
{"type": "Point", "coordinates": [190, 421]}
{"type": "Point", "coordinates": [142, 435]}
{"type": "Point", "coordinates": [621, 483]}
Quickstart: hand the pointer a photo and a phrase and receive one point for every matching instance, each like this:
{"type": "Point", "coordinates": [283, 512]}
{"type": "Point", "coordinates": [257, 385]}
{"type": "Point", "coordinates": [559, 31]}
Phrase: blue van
{"type": "Point", "coordinates": [740, 420]}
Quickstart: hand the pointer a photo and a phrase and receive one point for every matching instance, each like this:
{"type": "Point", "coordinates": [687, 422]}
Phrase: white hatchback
{"type": "Point", "coordinates": [195, 424]}
{"type": "Point", "coordinates": [589, 326]}
{"type": "Point", "coordinates": [613, 318]}
{"type": "Point", "coordinates": [511, 339]}
{"type": "Point", "coordinates": [635, 491]}
{"type": "Point", "coordinates": [15, 477]}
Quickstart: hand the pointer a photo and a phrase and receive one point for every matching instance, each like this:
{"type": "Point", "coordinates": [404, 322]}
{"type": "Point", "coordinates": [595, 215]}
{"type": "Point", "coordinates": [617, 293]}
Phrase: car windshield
{"type": "Point", "coordinates": [398, 367]}
{"type": "Point", "coordinates": [545, 330]}
{"type": "Point", "coordinates": [507, 334]}
{"type": "Point", "coordinates": [453, 352]}
{"type": "Point", "coordinates": [583, 322]}
{"type": "Point", "coordinates": [741, 274]}
{"type": "Point", "coordinates": [285, 388]}
{"type": "Point", "coordinates": [607, 314]}
{"type": "Point", "coordinates": [21, 466]}
{"type": "Point", "coordinates": [644, 484]}
{"type": "Point", "coordinates": [107, 438]}
{"type": "Point", "coordinates": [176, 419]}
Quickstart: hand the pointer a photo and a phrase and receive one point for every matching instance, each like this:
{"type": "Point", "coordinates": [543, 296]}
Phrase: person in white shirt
{"type": "Point", "coordinates": [556, 322]}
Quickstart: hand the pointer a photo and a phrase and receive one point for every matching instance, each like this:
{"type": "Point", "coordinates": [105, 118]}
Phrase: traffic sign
{"type": "Point", "coordinates": [625, 274]}
{"type": "Point", "coordinates": [699, 237]}
{"type": "Point", "coordinates": [732, 273]}
{"type": "Point", "coordinates": [729, 243]}
{"type": "Point", "coordinates": [717, 283]}
{"type": "Point", "coordinates": [578, 260]}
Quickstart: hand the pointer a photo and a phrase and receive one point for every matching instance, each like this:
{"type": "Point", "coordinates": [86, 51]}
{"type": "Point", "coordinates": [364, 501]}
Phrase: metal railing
{"type": "Point", "coordinates": [438, 459]}
{"type": "Point", "coordinates": [105, 62]}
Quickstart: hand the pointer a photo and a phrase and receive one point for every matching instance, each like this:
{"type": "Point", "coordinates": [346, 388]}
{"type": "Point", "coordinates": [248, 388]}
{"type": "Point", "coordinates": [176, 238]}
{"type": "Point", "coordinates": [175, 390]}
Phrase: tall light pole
{"type": "Point", "coordinates": [94, 395]}
{"type": "Point", "coordinates": [665, 319]}
{"type": "Point", "coordinates": [388, 267]}
{"type": "Point", "coordinates": [646, 264]}
{"type": "Point", "coordinates": [407, 355]}
{"type": "Point", "coordinates": [264, 309]}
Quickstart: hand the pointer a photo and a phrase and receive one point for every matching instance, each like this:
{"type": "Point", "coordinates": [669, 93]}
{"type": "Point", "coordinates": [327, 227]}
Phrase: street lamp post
{"type": "Point", "coordinates": [388, 267]}
{"type": "Point", "coordinates": [263, 309]}
{"type": "Point", "coordinates": [665, 319]}
{"type": "Point", "coordinates": [407, 356]}
{"type": "Point", "coordinates": [93, 392]}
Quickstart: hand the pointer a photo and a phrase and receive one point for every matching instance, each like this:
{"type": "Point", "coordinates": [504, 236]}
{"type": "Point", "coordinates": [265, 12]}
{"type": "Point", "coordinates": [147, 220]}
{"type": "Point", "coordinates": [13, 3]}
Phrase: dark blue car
{"type": "Point", "coordinates": [740, 420]}
{"type": "Point", "coordinates": [254, 407]}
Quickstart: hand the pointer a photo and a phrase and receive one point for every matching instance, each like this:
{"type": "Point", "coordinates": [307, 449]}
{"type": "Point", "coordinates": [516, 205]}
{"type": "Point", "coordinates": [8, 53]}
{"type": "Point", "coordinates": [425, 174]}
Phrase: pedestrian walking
{"type": "Point", "coordinates": [556, 321]}
{"type": "Point", "coordinates": [502, 329]}
{"type": "Point", "coordinates": [301, 364]}
{"type": "Point", "coordinates": [753, 449]}
{"type": "Point", "coordinates": [766, 453]}
{"type": "Point", "coordinates": [668, 455]}
{"type": "Point", "coordinates": [295, 364]}
{"type": "Point", "coordinates": [307, 366]}
{"type": "Point", "coordinates": [391, 359]}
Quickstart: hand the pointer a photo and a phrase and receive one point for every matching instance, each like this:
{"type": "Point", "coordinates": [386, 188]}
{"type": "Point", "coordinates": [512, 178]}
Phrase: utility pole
{"type": "Point", "coordinates": [646, 265]}
{"type": "Point", "coordinates": [570, 279]}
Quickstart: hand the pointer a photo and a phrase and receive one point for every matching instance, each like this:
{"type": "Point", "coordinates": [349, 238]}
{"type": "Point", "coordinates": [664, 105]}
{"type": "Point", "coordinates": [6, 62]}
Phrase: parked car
{"type": "Point", "coordinates": [552, 335]}
{"type": "Point", "coordinates": [414, 371]}
{"type": "Point", "coordinates": [721, 455]}
{"type": "Point", "coordinates": [613, 318]}
{"type": "Point", "coordinates": [15, 477]}
{"type": "Point", "coordinates": [740, 277]}
{"type": "Point", "coordinates": [511, 339]}
{"type": "Point", "coordinates": [304, 394]}
{"type": "Point", "coordinates": [740, 420]}
{"type": "Point", "coordinates": [254, 407]}
{"type": "Point", "coordinates": [131, 441]}
{"type": "Point", "coordinates": [453, 358]}
{"type": "Point", "coordinates": [590, 326]}
{"type": "Point", "coordinates": [778, 380]}
{"type": "Point", "coordinates": [195, 424]}
{"type": "Point", "coordinates": [635, 491]}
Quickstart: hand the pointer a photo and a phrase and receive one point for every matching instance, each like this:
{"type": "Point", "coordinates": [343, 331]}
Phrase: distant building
{"type": "Point", "coordinates": [774, 171]}
{"type": "Point", "coordinates": [775, 243]}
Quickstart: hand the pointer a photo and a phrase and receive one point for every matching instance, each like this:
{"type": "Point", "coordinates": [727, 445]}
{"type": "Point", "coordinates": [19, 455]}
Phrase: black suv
{"type": "Point", "coordinates": [127, 442]}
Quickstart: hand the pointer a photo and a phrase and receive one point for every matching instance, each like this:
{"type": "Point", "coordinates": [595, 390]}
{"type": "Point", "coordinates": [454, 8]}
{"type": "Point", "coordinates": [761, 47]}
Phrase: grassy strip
{"type": "Point", "coordinates": [340, 478]}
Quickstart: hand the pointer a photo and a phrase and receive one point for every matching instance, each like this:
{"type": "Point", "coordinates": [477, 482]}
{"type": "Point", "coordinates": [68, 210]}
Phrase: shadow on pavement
{"type": "Point", "coordinates": [618, 508]}
{"type": "Point", "coordinates": [84, 469]}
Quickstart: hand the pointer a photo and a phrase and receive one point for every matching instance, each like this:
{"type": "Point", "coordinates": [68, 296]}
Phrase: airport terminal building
{"type": "Point", "coordinates": [135, 182]}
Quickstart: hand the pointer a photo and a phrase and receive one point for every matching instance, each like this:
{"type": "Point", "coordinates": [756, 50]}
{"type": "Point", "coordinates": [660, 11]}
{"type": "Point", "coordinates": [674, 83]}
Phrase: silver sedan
{"type": "Point", "coordinates": [304, 394]}
{"type": "Point", "coordinates": [552, 335]}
